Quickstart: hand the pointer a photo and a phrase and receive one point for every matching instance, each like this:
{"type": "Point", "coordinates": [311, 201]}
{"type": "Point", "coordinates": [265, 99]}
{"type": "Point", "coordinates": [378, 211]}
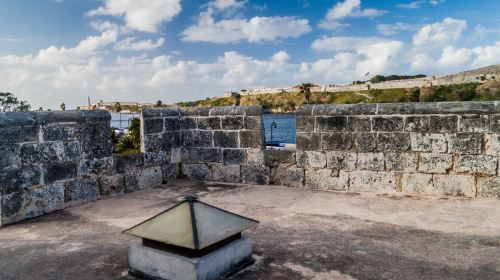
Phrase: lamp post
{"type": "Point", "coordinates": [273, 125]}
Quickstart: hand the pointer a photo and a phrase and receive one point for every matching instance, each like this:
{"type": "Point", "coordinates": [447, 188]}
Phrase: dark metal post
{"type": "Point", "coordinates": [273, 125]}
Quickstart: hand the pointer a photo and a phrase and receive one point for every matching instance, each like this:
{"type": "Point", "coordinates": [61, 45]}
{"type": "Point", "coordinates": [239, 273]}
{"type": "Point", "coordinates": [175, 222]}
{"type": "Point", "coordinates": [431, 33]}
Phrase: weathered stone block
{"type": "Point", "coordinates": [61, 132]}
{"type": "Point", "coordinates": [232, 122]}
{"type": "Point", "coordinates": [125, 164]}
{"type": "Point", "coordinates": [366, 142]}
{"type": "Point", "coordinates": [353, 109]}
{"type": "Point", "coordinates": [372, 181]}
{"type": "Point", "coordinates": [359, 124]}
{"type": "Point", "coordinates": [226, 139]}
{"type": "Point", "coordinates": [371, 161]}
{"type": "Point", "coordinates": [253, 123]}
{"type": "Point", "coordinates": [187, 123]}
{"type": "Point", "coordinates": [336, 141]}
{"type": "Point", "coordinates": [175, 155]}
{"type": "Point", "coordinates": [393, 142]}
{"type": "Point", "coordinates": [482, 164]}
{"type": "Point", "coordinates": [131, 182]}
{"type": "Point", "coordinates": [315, 159]}
{"type": "Point", "coordinates": [156, 158]}
{"type": "Point", "coordinates": [234, 111]}
{"type": "Point", "coordinates": [259, 175]}
{"type": "Point", "coordinates": [276, 157]}
{"type": "Point", "coordinates": [172, 124]}
{"type": "Point", "coordinates": [465, 143]}
{"type": "Point", "coordinates": [160, 112]}
{"type": "Point", "coordinates": [416, 123]}
{"type": "Point", "coordinates": [492, 144]}
{"type": "Point", "coordinates": [387, 123]}
{"type": "Point", "coordinates": [35, 202]}
{"type": "Point", "coordinates": [149, 177]}
{"type": "Point", "coordinates": [401, 161]}
{"type": "Point", "coordinates": [341, 160]}
{"type": "Point", "coordinates": [488, 187]}
{"type": "Point", "coordinates": [251, 139]}
{"type": "Point", "coordinates": [15, 179]}
{"type": "Point", "coordinates": [226, 173]}
{"type": "Point", "coordinates": [153, 142]}
{"type": "Point", "coordinates": [9, 155]}
{"type": "Point", "coordinates": [153, 125]}
{"type": "Point", "coordinates": [95, 166]}
{"type": "Point", "coordinates": [428, 142]}
{"type": "Point", "coordinates": [289, 175]}
{"type": "Point", "coordinates": [304, 124]}
{"type": "Point", "coordinates": [194, 111]}
{"type": "Point", "coordinates": [394, 108]}
{"type": "Point", "coordinates": [201, 155]}
{"type": "Point", "coordinates": [209, 123]}
{"type": "Point", "coordinates": [300, 159]}
{"type": "Point", "coordinates": [172, 139]}
{"type": "Point", "coordinates": [454, 185]}
{"type": "Point", "coordinates": [326, 179]}
{"type": "Point", "coordinates": [16, 134]}
{"type": "Point", "coordinates": [197, 138]}
{"type": "Point", "coordinates": [308, 141]}
{"type": "Point", "coordinates": [417, 183]}
{"type": "Point", "coordinates": [443, 123]}
{"type": "Point", "coordinates": [62, 171]}
{"type": "Point", "coordinates": [335, 123]}
{"type": "Point", "coordinates": [169, 171]}
{"type": "Point", "coordinates": [234, 156]}
{"type": "Point", "coordinates": [83, 190]}
{"type": "Point", "coordinates": [197, 171]}
{"type": "Point", "coordinates": [495, 123]}
{"type": "Point", "coordinates": [49, 152]}
{"type": "Point", "coordinates": [435, 163]}
{"type": "Point", "coordinates": [72, 151]}
{"type": "Point", "coordinates": [111, 185]}
{"type": "Point", "coordinates": [255, 157]}
{"type": "Point", "coordinates": [474, 123]}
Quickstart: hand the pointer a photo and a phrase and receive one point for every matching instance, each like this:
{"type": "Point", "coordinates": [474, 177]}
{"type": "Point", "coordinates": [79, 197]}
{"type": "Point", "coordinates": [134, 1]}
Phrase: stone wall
{"type": "Point", "coordinates": [51, 160]}
{"type": "Point", "coordinates": [447, 148]}
{"type": "Point", "coordinates": [217, 144]}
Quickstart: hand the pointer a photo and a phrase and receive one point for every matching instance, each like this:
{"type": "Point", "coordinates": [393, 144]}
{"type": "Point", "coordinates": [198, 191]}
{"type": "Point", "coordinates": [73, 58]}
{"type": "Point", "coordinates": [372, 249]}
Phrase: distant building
{"type": "Point", "coordinates": [126, 107]}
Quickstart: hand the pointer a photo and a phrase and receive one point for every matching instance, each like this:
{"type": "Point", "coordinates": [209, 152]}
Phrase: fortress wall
{"type": "Point", "coordinates": [216, 144]}
{"type": "Point", "coordinates": [449, 148]}
{"type": "Point", "coordinates": [51, 160]}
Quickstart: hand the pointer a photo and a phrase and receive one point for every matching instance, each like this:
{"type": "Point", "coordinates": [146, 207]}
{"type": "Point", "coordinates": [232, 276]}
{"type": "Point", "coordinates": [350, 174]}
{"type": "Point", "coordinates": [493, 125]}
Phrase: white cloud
{"type": "Point", "coordinates": [339, 43]}
{"type": "Point", "coordinates": [392, 29]}
{"type": "Point", "coordinates": [411, 5]}
{"type": "Point", "coordinates": [442, 33]}
{"type": "Point", "coordinates": [452, 57]}
{"type": "Point", "coordinates": [255, 29]}
{"type": "Point", "coordinates": [140, 15]}
{"type": "Point", "coordinates": [346, 9]}
{"type": "Point", "coordinates": [351, 8]}
{"type": "Point", "coordinates": [436, 2]}
{"type": "Point", "coordinates": [487, 55]}
{"type": "Point", "coordinates": [131, 44]}
{"type": "Point", "coordinates": [227, 4]}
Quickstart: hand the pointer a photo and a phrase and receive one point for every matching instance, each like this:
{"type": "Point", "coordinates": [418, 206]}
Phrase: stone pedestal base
{"type": "Point", "coordinates": [150, 263]}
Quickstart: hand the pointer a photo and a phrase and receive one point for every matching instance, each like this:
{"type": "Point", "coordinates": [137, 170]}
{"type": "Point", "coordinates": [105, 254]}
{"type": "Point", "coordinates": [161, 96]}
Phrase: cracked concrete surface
{"type": "Point", "coordinates": [302, 235]}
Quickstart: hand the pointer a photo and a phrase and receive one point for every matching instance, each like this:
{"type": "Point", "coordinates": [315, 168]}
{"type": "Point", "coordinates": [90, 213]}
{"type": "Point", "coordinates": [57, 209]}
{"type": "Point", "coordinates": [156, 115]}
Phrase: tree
{"type": "Point", "coordinates": [237, 98]}
{"type": "Point", "coordinates": [159, 104]}
{"type": "Point", "coordinates": [305, 89]}
{"type": "Point", "coordinates": [63, 106]}
{"type": "Point", "coordinates": [10, 103]}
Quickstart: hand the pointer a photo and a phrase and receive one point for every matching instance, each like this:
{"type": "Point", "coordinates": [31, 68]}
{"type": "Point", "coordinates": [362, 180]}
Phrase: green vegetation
{"type": "Point", "coordinates": [10, 103]}
{"type": "Point", "coordinates": [380, 78]}
{"type": "Point", "coordinates": [288, 102]}
{"type": "Point", "coordinates": [128, 144]}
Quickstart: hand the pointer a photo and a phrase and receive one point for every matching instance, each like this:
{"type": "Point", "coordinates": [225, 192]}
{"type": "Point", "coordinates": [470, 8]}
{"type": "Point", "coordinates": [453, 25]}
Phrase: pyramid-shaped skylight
{"type": "Point", "coordinates": [192, 224]}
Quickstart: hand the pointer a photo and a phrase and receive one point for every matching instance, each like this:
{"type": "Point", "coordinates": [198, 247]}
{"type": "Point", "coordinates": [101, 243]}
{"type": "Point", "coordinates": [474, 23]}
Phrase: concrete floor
{"type": "Point", "coordinates": [302, 235]}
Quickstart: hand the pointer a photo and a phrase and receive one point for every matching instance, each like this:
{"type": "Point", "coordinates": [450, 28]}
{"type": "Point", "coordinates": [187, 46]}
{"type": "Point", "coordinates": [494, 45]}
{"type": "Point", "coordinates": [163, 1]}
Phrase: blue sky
{"type": "Point", "coordinates": [144, 50]}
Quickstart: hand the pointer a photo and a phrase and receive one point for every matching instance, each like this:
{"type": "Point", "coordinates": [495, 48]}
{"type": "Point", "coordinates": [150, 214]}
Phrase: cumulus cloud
{"type": "Point", "coordinates": [140, 15]}
{"type": "Point", "coordinates": [392, 29]}
{"type": "Point", "coordinates": [442, 33]}
{"type": "Point", "coordinates": [436, 2]}
{"type": "Point", "coordinates": [227, 4]}
{"type": "Point", "coordinates": [411, 5]}
{"type": "Point", "coordinates": [132, 44]}
{"type": "Point", "coordinates": [346, 9]}
{"type": "Point", "coordinates": [256, 29]}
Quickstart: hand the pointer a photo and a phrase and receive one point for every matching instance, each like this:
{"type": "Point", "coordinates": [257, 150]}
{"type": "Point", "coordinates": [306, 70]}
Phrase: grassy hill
{"type": "Point", "coordinates": [288, 102]}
